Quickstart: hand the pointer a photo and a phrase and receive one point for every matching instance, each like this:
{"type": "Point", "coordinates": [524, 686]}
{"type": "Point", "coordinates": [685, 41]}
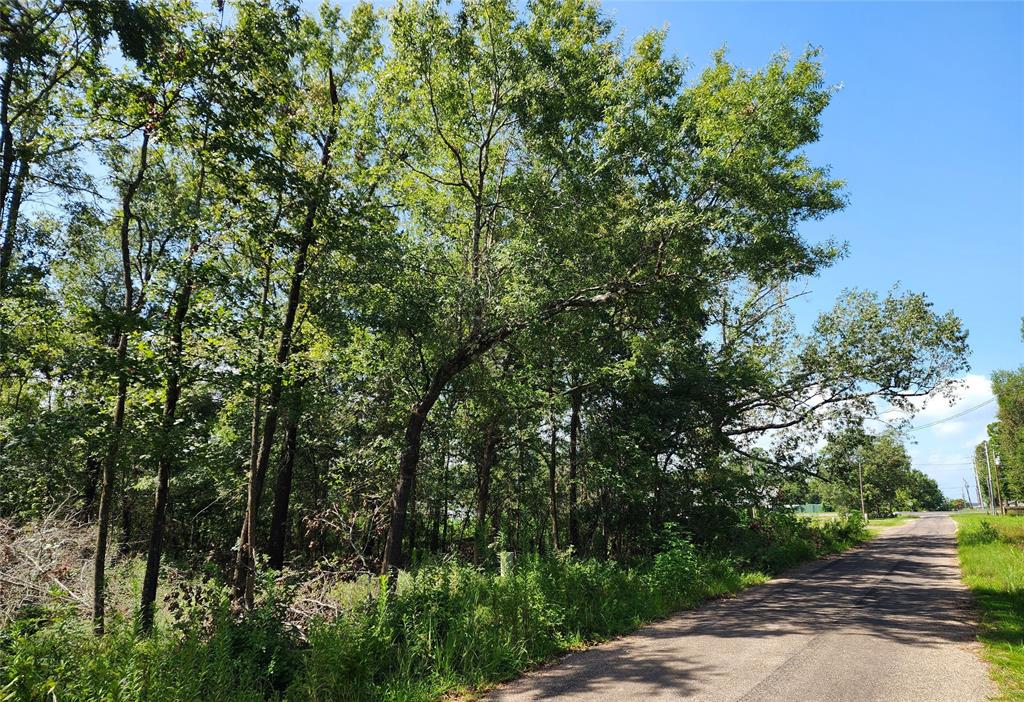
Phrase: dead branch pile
{"type": "Point", "coordinates": [45, 561]}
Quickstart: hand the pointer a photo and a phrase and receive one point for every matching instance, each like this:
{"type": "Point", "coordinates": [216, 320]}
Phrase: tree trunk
{"type": "Point", "coordinates": [409, 461]}
{"type": "Point", "coordinates": [495, 519]}
{"type": "Point", "coordinates": [93, 468]}
{"type": "Point", "coordinates": [245, 560]}
{"type": "Point", "coordinates": [605, 506]}
{"type": "Point", "coordinates": [393, 557]}
{"type": "Point", "coordinates": [411, 541]}
{"type": "Point", "coordinates": [126, 515]}
{"type": "Point", "coordinates": [282, 494]}
{"type": "Point", "coordinates": [172, 393]}
{"type": "Point", "coordinates": [107, 489]}
{"type": "Point", "coordinates": [434, 542]}
{"type": "Point", "coordinates": [117, 421]}
{"type": "Point", "coordinates": [517, 538]}
{"type": "Point", "coordinates": [999, 488]}
{"type": "Point", "coordinates": [11, 227]}
{"type": "Point", "coordinates": [257, 404]}
{"type": "Point", "coordinates": [444, 494]}
{"type": "Point", "coordinates": [552, 478]}
{"type": "Point", "coordinates": [6, 167]}
{"type": "Point", "coordinates": [488, 457]}
{"type": "Point", "coordinates": [246, 557]}
{"type": "Point", "coordinates": [574, 431]}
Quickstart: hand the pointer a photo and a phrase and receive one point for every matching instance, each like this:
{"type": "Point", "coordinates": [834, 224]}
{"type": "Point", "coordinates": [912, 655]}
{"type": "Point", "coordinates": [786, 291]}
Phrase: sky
{"type": "Point", "coordinates": [927, 129]}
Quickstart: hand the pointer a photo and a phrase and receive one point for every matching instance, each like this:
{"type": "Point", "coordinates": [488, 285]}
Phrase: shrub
{"type": "Point", "coordinates": [984, 533]}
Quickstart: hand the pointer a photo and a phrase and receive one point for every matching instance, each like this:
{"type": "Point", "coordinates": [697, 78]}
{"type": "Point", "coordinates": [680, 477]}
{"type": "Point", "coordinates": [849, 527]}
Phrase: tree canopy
{"type": "Point", "coordinates": [368, 287]}
{"type": "Point", "coordinates": [856, 463]}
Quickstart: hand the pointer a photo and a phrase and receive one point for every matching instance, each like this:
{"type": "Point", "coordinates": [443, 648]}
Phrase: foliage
{"type": "Point", "coordinates": [367, 290]}
{"type": "Point", "coordinates": [881, 462]}
{"type": "Point", "coordinates": [1005, 441]}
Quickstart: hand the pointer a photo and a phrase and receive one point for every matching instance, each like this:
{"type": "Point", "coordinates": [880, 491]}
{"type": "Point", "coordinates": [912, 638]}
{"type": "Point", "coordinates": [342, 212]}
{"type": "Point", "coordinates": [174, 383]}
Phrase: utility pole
{"type": "Point", "coordinates": [991, 498]}
{"type": "Point", "coordinates": [999, 486]}
{"type": "Point", "coordinates": [860, 479]}
{"type": "Point", "coordinates": [977, 484]}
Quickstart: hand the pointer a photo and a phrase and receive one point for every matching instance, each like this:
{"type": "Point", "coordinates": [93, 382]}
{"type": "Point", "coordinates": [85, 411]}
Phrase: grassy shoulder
{"type": "Point", "coordinates": [991, 553]}
{"type": "Point", "coordinates": [449, 629]}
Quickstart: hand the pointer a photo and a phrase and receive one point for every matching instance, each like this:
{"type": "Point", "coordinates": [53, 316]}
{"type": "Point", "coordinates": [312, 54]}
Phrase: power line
{"type": "Point", "coordinates": [955, 416]}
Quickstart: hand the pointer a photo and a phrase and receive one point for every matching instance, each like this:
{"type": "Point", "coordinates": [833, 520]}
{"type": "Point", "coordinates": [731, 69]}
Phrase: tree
{"type": "Point", "coordinates": [864, 355]}
{"type": "Point", "coordinates": [438, 279]}
{"type": "Point", "coordinates": [664, 183]}
{"type": "Point", "coordinates": [343, 51]}
{"type": "Point", "coordinates": [853, 458]}
{"type": "Point", "coordinates": [199, 141]}
{"type": "Point", "coordinates": [1007, 436]}
{"type": "Point", "coordinates": [133, 108]}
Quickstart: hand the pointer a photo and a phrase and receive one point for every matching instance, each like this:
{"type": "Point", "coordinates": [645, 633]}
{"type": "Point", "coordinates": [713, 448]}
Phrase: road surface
{"type": "Point", "coordinates": [890, 621]}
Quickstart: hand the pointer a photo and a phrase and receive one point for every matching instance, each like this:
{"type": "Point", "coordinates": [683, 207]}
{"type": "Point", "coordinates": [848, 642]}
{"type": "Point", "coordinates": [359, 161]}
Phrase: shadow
{"type": "Point", "coordinates": [902, 588]}
{"type": "Point", "coordinates": [1003, 615]}
{"type": "Point", "coordinates": [601, 671]}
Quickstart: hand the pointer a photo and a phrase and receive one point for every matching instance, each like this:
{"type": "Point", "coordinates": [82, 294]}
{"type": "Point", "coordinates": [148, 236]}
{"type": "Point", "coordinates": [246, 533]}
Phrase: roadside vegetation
{"type": "Point", "coordinates": [372, 352]}
{"type": "Point", "coordinates": [447, 627]}
{"type": "Point", "coordinates": [858, 470]}
{"type": "Point", "coordinates": [999, 460]}
{"type": "Point", "coordinates": [991, 552]}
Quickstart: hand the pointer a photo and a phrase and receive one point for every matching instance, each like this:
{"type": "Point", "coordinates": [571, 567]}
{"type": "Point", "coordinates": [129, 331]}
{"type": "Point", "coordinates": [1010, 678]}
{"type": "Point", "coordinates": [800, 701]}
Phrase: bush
{"type": "Point", "coordinates": [984, 533]}
{"type": "Point", "coordinates": [777, 541]}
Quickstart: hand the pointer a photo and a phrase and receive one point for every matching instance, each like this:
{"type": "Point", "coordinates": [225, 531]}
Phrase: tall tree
{"type": "Point", "coordinates": [561, 120]}
{"type": "Point", "coordinates": [135, 108]}
{"type": "Point", "coordinates": [329, 88]}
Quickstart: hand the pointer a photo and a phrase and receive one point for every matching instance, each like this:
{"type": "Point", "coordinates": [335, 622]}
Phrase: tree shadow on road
{"type": "Point", "coordinates": [906, 590]}
{"type": "Point", "coordinates": [902, 588]}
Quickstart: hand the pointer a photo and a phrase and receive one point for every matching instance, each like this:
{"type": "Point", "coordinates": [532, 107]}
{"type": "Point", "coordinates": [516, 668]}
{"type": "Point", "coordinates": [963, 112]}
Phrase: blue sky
{"type": "Point", "coordinates": [928, 132]}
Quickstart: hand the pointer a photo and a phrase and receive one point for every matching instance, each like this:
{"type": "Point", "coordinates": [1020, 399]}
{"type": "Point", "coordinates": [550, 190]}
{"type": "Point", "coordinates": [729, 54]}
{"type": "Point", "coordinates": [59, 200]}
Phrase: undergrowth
{"type": "Point", "coordinates": [448, 626]}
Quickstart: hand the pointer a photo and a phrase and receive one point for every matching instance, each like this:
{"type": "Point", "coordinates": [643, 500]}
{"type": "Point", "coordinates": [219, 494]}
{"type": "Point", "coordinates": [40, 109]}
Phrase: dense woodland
{"type": "Point", "coordinates": [360, 291]}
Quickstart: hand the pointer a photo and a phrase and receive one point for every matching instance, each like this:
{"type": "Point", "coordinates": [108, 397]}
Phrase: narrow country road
{"type": "Point", "coordinates": [890, 621]}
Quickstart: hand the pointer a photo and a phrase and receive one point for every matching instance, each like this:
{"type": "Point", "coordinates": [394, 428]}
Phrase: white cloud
{"type": "Point", "coordinates": [949, 428]}
{"type": "Point", "coordinates": [970, 390]}
{"type": "Point", "coordinates": [980, 434]}
{"type": "Point", "coordinates": [945, 451]}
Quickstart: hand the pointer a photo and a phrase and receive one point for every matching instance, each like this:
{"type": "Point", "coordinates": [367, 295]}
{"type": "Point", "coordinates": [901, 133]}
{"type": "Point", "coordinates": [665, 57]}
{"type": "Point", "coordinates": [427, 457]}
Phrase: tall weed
{"type": "Point", "coordinates": [447, 626]}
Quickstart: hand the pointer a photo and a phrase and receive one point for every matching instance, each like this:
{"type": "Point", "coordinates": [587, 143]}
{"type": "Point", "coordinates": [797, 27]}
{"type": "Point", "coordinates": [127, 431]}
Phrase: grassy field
{"type": "Point", "coordinates": [874, 525]}
{"type": "Point", "coordinates": [891, 521]}
{"type": "Point", "coordinates": [992, 556]}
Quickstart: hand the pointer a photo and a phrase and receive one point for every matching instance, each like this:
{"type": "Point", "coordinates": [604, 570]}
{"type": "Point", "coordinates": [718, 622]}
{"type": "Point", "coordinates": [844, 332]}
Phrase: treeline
{"type": "Point", "coordinates": [870, 473]}
{"type": "Point", "coordinates": [368, 287]}
{"type": "Point", "coordinates": [1001, 457]}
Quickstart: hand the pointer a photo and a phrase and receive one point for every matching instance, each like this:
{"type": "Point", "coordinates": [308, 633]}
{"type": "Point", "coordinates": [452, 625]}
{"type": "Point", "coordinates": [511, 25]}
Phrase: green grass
{"type": "Point", "coordinates": [819, 516]}
{"type": "Point", "coordinates": [875, 526]}
{"type": "Point", "coordinates": [891, 521]}
{"type": "Point", "coordinates": [992, 557]}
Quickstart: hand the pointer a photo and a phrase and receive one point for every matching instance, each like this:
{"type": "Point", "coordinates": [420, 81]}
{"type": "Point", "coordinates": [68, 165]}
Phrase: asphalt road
{"type": "Point", "coordinates": [890, 621]}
